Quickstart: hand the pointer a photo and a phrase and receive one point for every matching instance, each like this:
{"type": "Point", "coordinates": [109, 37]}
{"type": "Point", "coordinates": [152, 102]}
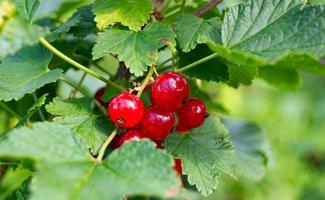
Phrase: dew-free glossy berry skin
{"type": "Point", "coordinates": [129, 135]}
{"type": "Point", "coordinates": [169, 91]}
{"type": "Point", "coordinates": [192, 113]}
{"type": "Point", "coordinates": [157, 123]}
{"type": "Point", "coordinates": [152, 100]}
{"type": "Point", "coordinates": [178, 166]}
{"type": "Point", "coordinates": [126, 110]}
{"type": "Point", "coordinates": [99, 94]}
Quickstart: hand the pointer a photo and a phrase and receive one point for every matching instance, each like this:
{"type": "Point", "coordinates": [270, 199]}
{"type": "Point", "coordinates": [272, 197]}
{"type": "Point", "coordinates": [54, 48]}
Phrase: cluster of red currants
{"type": "Point", "coordinates": [169, 95]}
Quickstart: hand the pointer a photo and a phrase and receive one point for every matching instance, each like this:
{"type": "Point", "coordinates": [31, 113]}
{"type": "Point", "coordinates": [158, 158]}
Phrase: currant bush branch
{"type": "Point", "coordinates": [207, 7]}
{"type": "Point", "coordinates": [78, 65]}
{"type": "Point", "coordinates": [105, 145]}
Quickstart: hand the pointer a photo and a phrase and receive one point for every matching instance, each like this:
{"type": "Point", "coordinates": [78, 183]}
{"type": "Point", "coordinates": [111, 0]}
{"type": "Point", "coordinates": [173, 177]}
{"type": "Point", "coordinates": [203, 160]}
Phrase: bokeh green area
{"type": "Point", "coordinates": [294, 123]}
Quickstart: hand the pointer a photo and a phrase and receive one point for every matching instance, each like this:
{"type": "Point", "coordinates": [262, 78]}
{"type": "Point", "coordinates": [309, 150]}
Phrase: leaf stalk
{"type": "Point", "coordinates": [196, 63]}
{"type": "Point", "coordinates": [105, 145]}
{"type": "Point", "coordinates": [44, 42]}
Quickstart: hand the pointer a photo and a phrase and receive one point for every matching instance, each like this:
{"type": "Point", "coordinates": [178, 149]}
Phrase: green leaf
{"type": "Point", "coordinates": [266, 32]}
{"type": "Point", "coordinates": [22, 193]}
{"type": "Point", "coordinates": [241, 74]}
{"type": "Point", "coordinates": [39, 102]}
{"type": "Point", "coordinates": [64, 28]}
{"type": "Point", "coordinates": [230, 3]}
{"type": "Point", "coordinates": [284, 73]}
{"type": "Point", "coordinates": [205, 152]}
{"type": "Point", "coordinates": [306, 62]}
{"type": "Point", "coordinates": [26, 8]}
{"type": "Point", "coordinates": [67, 7]}
{"type": "Point", "coordinates": [316, 2]}
{"type": "Point", "coordinates": [87, 24]}
{"type": "Point", "coordinates": [212, 70]}
{"type": "Point", "coordinates": [30, 112]}
{"type": "Point", "coordinates": [288, 79]}
{"type": "Point", "coordinates": [192, 30]}
{"type": "Point", "coordinates": [18, 33]}
{"type": "Point", "coordinates": [63, 158]}
{"type": "Point", "coordinates": [133, 14]}
{"type": "Point", "coordinates": [270, 28]}
{"type": "Point", "coordinates": [77, 114]}
{"type": "Point", "coordinates": [80, 24]}
{"type": "Point", "coordinates": [44, 142]}
{"type": "Point", "coordinates": [25, 72]}
{"type": "Point", "coordinates": [126, 172]}
{"type": "Point", "coordinates": [252, 151]}
{"type": "Point", "coordinates": [136, 49]}
{"type": "Point", "coordinates": [12, 180]}
{"type": "Point", "coordinates": [236, 56]}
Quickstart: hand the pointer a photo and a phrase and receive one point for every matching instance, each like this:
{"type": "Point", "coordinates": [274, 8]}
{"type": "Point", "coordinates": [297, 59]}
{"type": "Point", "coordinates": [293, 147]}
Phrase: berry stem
{"type": "Point", "coordinates": [146, 80]}
{"type": "Point", "coordinates": [105, 145]}
{"type": "Point", "coordinates": [198, 62]}
{"type": "Point", "coordinates": [155, 71]}
{"type": "Point", "coordinates": [78, 65]}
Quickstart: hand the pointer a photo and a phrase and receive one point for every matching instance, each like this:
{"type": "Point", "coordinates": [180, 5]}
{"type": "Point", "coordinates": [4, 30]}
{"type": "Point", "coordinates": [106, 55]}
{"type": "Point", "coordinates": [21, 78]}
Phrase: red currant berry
{"type": "Point", "coordinates": [157, 123]}
{"type": "Point", "coordinates": [169, 90]}
{"type": "Point", "coordinates": [191, 114]}
{"type": "Point", "coordinates": [129, 135]}
{"type": "Point", "coordinates": [152, 100]}
{"type": "Point", "coordinates": [99, 94]}
{"type": "Point", "coordinates": [180, 128]}
{"type": "Point", "coordinates": [178, 166]}
{"type": "Point", "coordinates": [126, 110]}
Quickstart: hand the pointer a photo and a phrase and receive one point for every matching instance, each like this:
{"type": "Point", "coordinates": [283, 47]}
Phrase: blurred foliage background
{"type": "Point", "coordinates": [294, 122]}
